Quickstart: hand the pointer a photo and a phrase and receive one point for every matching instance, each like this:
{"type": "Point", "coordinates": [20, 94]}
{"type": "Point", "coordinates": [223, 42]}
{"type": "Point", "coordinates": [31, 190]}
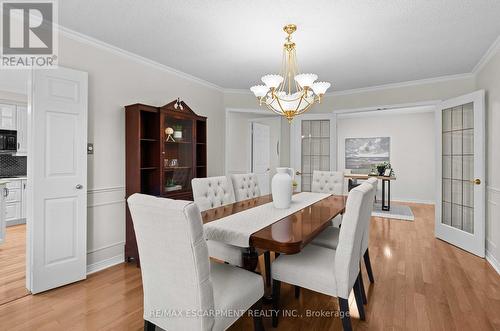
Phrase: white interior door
{"type": "Point", "coordinates": [460, 201]}
{"type": "Point", "coordinates": [313, 146]}
{"type": "Point", "coordinates": [261, 157]}
{"type": "Point", "coordinates": [57, 178]}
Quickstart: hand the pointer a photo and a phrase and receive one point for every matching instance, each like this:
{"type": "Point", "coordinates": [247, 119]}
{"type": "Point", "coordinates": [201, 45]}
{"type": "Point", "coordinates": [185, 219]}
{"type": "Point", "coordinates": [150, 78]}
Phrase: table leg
{"type": "Point", "coordinates": [384, 205]}
{"type": "Point", "coordinates": [250, 259]}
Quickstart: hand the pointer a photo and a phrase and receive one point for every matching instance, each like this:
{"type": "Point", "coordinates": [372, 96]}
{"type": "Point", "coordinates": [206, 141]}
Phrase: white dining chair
{"type": "Point", "coordinates": [246, 186]}
{"type": "Point", "coordinates": [329, 237]}
{"type": "Point", "coordinates": [212, 192]}
{"type": "Point", "coordinates": [182, 288]}
{"type": "Point", "coordinates": [329, 182]}
{"type": "Point", "coordinates": [328, 271]}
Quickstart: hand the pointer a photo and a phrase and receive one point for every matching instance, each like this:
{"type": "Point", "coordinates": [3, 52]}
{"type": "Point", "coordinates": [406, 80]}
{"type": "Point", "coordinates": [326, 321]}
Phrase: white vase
{"type": "Point", "coordinates": [281, 187]}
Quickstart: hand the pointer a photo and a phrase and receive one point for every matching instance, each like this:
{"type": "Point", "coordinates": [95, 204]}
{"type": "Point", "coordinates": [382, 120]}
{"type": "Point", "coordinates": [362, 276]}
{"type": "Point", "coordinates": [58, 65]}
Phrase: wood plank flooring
{"type": "Point", "coordinates": [421, 283]}
{"type": "Point", "coordinates": [13, 264]}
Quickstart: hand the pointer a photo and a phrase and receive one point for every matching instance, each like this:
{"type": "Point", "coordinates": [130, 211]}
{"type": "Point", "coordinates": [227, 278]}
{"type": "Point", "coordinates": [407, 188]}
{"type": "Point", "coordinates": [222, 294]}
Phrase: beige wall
{"type": "Point", "coordinates": [116, 80]}
{"type": "Point", "coordinates": [412, 149]}
{"type": "Point", "coordinates": [489, 79]}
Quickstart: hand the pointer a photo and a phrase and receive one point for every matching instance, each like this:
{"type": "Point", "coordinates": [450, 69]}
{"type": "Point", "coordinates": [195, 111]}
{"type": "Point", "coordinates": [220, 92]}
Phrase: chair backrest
{"type": "Point", "coordinates": [328, 182]}
{"type": "Point", "coordinates": [366, 236]}
{"type": "Point", "coordinates": [174, 261]}
{"type": "Point", "coordinates": [245, 186]}
{"type": "Point", "coordinates": [348, 252]}
{"type": "Point", "coordinates": [212, 192]}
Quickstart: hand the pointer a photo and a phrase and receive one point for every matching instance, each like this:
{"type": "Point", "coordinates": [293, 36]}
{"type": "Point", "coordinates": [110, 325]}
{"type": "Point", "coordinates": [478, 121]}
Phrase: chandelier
{"type": "Point", "coordinates": [291, 93]}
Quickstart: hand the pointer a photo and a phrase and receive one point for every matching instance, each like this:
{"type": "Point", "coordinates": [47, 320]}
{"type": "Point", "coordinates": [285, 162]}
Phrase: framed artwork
{"type": "Point", "coordinates": [364, 153]}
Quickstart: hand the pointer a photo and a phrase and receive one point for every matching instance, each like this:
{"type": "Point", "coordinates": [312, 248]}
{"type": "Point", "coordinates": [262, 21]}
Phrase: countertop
{"type": "Point", "coordinates": [10, 179]}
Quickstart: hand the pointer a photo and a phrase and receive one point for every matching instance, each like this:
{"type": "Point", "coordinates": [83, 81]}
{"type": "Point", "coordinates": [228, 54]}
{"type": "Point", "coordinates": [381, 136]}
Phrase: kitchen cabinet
{"type": "Point", "coordinates": [22, 130]}
{"type": "Point", "coordinates": [2, 212]}
{"type": "Point", "coordinates": [15, 201]}
{"type": "Point", "coordinates": [8, 117]}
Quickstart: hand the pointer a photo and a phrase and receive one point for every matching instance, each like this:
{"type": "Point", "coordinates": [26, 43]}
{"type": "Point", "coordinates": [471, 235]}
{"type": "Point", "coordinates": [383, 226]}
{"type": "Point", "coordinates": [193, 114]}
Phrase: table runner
{"type": "Point", "coordinates": [236, 229]}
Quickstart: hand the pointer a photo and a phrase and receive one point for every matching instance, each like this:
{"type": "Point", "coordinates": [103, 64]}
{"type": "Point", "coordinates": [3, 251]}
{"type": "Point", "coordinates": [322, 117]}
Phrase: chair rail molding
{"type": "Point", "coordinates": [492, 227]}
{"type": "Point", "coordinates": [106, 227]}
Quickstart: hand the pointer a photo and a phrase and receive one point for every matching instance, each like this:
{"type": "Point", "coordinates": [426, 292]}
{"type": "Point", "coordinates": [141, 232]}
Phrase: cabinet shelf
{"type": "Point", "coordinates": [178, 142]}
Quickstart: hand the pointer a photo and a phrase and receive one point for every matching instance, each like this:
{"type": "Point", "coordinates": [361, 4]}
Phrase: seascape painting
{"type": "Point", "coordinates": [364, 153]}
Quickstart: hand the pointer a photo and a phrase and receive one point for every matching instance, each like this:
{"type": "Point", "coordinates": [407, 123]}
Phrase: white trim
{"type": "Point", "coordinates": [402, 84]}
{"type": "Point", "coordinates": [105, 189]}
{"type": "Point", "coordinates": [104, 264]}
{"type": "Point", "coordinates": [135, 57]}
{"type": "Point", "coordinates": [388, 107]}
{"type": "Point", "coordinates": [425, 202]}
{"type": "Point", "coordinates": [114, 202]}
{"type": "Point", "coordinates": [120, 243]}
{"type": "Point", "coordinates": [493, 261]}
{"type": "Point", "coordinates": [494, 189]}
{"type": "Point", "coordinates": [389, 112]}
{"type": "Point", "coordinates": [492, 50]}
{"type": "Point", "coordinates": [409, 83]}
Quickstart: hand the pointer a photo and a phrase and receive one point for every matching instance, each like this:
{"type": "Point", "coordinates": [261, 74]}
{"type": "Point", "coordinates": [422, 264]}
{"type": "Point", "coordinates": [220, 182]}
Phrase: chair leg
{"type": "Point", "coordinates": [345, 315]}
{"type": "Point", "coordinates": [148, 326]}
{"type": "Point", "coordinates": [276, 302]}
{"type": "Point", "coordinates": [362, 287]}
{"type": "Point", "coordinates": [267, 263]}
{"type": "Point", "coordinates": [368, 265]}
{"type": "Point", "coordinates": [258, 325]}
{"type": "Point", "coordinates": [359, 299]}
{"type": "Point", "coordinates": [297, 291]}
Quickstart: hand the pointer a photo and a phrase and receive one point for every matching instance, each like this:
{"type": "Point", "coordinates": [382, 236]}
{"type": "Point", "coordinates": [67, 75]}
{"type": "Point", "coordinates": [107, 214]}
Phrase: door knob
{"type": "Point", "coordinates": [298, 173]}
{"type": "Point", "coordinates": [79, 186]}
{"type": "Point", "coordinates": [476, 181]}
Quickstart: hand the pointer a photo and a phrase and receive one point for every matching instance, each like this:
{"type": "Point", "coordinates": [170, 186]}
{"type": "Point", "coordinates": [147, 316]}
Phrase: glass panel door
{"type": "Point", "coordinates": [460, 171]}
{"type": "Point", "coordinates": [458, 167]}
{"type": "Point", "coordinates": [315, 135]}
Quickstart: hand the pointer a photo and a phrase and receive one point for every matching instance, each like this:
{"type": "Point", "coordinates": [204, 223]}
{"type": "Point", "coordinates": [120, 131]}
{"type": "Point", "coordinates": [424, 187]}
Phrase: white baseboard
{"type": "Point", "coordinates": [493, 262]}
{"type": "Point", "coordinates": [15, 222]}
{"type": "Point", "coordinates": [427, 202]}
{"type": "Point", "coordinates": [104, 264]}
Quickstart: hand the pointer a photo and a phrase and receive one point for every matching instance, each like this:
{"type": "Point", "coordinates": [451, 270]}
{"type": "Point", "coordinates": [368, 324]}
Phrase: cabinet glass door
{"type": "Point", "coordinates": [177, 155]}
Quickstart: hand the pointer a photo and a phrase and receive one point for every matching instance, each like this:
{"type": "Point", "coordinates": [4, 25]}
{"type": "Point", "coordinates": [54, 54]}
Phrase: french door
{"type": "Point", "coordinates": [460, 149]}
{"type": "Point", "coordinates": [313, 146]}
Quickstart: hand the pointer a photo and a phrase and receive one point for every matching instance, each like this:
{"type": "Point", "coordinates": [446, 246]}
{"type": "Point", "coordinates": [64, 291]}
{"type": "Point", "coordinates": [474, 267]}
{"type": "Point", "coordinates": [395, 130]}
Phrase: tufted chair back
{"type": "Point", "coordinates": [364, 246]}
{"type": "Point", "coordinates": [245, 186]}
{"type": "Point", "coordinates": [328, 182]}
{"type": "Point", "coordinates": [212, 192]}
{"type": "Point", "coordinates": [170, 237]}
{"type": "Point", "coordinates": [348, 252]}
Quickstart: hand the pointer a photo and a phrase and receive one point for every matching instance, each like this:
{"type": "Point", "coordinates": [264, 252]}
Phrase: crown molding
{"type": "Point", "coordinates": [402, 84]}
{"type": "Point", "coordinates": [494, 48]}
{"type": "Point", "coordinates": [378, 87]}
{"type": "Point", "coordinates": [134, 57]}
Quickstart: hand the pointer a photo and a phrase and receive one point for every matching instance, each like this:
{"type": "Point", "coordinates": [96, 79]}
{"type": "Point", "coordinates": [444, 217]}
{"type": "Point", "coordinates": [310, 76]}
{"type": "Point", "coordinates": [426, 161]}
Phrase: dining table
{"type": "Point", "coordinates": [287, 235]}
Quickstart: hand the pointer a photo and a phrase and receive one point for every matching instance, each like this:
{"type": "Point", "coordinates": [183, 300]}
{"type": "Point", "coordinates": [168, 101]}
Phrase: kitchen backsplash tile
{"type": "Point", "coordinates": [12, 165]}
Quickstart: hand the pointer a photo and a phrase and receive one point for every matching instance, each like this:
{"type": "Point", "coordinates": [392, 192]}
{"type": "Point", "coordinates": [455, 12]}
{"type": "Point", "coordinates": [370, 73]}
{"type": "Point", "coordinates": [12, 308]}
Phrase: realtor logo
{"type": "Point", "coordinates": [29, 36]}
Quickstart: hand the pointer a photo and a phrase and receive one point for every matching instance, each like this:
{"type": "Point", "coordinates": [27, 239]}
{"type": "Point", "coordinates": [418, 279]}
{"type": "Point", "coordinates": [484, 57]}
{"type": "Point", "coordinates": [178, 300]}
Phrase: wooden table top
{"type": "Point", "coordinates": [290, 234]}
{"type": "Point", "coordinates": [360, 176]}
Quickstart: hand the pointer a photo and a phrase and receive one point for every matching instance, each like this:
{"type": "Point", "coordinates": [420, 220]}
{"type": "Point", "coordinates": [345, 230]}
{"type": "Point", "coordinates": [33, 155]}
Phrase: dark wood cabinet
{"type": "Point", "coordinates": [158, 163]}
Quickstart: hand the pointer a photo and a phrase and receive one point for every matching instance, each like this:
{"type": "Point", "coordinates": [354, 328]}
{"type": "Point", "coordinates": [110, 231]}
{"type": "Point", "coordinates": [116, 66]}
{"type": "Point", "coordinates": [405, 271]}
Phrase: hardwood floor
{"type": "Point", "coordinates": [13, 264]}
{"type": "Point", "coordinates": [421, 283]}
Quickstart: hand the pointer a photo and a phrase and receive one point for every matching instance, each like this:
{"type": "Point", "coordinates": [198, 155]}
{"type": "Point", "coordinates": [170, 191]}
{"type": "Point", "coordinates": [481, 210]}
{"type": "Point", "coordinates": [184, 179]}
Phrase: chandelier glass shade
{"type": "Point", "coordinates": [291, 93]}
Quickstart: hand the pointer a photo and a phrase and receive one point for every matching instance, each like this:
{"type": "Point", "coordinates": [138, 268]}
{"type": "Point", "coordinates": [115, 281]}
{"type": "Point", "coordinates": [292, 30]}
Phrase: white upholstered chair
{"type": "Point", "coordinates": [245, 186]}
{"type": "Point", "coordinates": [329, 182]}
{"type": "Point", "coordinates": [212, 192]}
{"type": "Point", "coordinates": [177, 275]}
{"type": "Point", "coordinates": [329, 238]}
{"type": "Point", "coordinates": [328, 271]}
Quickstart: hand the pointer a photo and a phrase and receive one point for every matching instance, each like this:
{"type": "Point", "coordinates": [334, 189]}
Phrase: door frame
{"type": "Point", "coordinates": [459, 238]}
{"type": "Point", "coordinates": [296, 142]}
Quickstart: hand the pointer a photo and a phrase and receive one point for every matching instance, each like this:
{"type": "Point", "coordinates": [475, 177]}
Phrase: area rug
{"type": "Point", "coordinates": [400, 212]}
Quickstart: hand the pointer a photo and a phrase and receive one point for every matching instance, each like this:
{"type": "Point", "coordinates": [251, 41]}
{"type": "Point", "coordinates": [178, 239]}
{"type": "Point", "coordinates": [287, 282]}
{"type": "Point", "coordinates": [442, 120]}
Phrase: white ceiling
{"type": "Point", "coordinates": [352, 44]}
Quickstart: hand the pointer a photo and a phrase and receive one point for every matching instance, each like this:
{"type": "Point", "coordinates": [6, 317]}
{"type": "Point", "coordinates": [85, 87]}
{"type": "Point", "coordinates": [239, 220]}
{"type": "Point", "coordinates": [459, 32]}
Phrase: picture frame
{"type": "Point", "coordinates": [387, 172]}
